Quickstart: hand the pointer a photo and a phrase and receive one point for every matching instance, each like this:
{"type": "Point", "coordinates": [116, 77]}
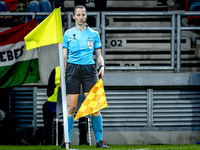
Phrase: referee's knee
{"type": "Point", "coordinates": [71, 111]}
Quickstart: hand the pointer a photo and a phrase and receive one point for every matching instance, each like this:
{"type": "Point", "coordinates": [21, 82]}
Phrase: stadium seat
{"type": "Point", "coordinates": [192, 19]}
{"type": "Point", "coordinates": [34, 6]}
{"type": "Point", "coordinates": [59, 114]}
{"type": "Point", "coordinates": [45, 6]}
{"type": "Point", "coordinates": [11, 4]}
{"type": "Point", "coordinates": [3, 6]}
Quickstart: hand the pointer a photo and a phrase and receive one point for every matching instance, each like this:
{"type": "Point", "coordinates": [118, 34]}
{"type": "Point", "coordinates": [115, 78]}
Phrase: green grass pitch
{"type": "Point", "coordinates": [112, 147]}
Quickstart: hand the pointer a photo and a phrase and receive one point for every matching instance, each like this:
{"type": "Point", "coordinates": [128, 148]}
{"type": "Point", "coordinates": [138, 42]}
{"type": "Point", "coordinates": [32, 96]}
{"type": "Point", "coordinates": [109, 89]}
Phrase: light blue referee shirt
{"type": "Point", "coordinates": [81, 45]}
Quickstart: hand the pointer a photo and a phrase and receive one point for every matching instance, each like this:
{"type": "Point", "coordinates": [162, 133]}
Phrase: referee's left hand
{"type": "Point", "coordinates": [100, 72]}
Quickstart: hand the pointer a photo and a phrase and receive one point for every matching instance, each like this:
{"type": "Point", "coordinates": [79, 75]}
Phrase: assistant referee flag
{"type": "Point", "coordinates": [95, 101]}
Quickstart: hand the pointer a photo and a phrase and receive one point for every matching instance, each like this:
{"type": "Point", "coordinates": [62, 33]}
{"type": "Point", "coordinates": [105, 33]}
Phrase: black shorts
{"type": "Point", "coordinates": [80, 74]}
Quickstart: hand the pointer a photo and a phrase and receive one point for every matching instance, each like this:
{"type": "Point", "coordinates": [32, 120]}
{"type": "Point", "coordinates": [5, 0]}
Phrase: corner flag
{"type": "Point", "coordinates": [47, 32]}
{"type": "Point", "coordinates": [95, 101]}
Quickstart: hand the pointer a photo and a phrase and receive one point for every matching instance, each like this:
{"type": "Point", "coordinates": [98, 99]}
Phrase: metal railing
{"type": "Point", "coordinates": [171, 28]}
{"type": "Point", "coordinates": [179, 29]}
{"type": "Point", "coordinates": [173, 14]}
{"type": "Point", "coordinates": [26, 14]}
{"type": "Point", "coordinates": [101, 28]}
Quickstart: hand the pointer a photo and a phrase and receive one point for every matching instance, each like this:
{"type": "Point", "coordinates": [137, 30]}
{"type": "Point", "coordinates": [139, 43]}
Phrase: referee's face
{"type": "Point", "coordinates": [80, 16]}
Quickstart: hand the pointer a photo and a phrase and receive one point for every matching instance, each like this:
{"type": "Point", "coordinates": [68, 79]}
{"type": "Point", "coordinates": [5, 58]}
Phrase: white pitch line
{"type": "Point", "coordinates": [167, 148]}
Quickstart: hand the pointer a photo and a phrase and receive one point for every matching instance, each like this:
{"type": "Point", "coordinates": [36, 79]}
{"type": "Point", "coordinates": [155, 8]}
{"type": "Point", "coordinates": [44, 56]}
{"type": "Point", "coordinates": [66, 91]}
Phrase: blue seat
{"type": "Point", "coordinates": [45, 6]}
{"type": "Point", "coordinates": [194, 5]}
{"type": "Point", "coordinates": [3, 7]}
{"type": "Point", "coordinates": [34, 6]}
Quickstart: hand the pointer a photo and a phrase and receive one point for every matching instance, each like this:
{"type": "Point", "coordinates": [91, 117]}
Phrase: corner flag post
{"type": "Point", "coordinates": [63, 93]}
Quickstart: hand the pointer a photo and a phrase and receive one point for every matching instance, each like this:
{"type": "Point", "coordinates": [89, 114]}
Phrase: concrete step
{"type": "Point", "coordinates": [138, 21]}
{"type": "Point", "coordinates": [186, 66]}
{"type": "Point", "coordinates": [138, 57]}
{"type": "Point", "coordinates": [126, 5]}
{"type": "Point", "coordinates": [145, 43]}
{"type": "Point", "coordinates": [152, 63]}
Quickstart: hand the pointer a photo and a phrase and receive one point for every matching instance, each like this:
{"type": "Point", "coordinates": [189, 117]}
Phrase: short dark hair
{"type": "Point", "coordinates": [78, 6]}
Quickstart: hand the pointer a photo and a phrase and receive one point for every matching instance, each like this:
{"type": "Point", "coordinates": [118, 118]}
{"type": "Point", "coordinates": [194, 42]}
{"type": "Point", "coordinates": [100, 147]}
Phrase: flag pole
{"type": "Point", "coordinates": [63, 93]}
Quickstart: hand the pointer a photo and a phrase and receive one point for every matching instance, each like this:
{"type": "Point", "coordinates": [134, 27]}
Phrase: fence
{"type": "Point", "coordinates": [103, 29]}
{"type": "Point", "coordinates": [175, 26]}
{"type": "Point", "coordinates": [179, 29]}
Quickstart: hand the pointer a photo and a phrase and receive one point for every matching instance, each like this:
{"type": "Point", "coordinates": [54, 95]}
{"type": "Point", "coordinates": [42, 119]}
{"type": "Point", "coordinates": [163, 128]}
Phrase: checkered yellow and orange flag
{"type": "Point", "coordinates": [95, 101]}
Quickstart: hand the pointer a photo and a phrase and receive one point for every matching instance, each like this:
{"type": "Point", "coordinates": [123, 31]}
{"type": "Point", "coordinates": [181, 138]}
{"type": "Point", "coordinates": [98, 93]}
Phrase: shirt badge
{"type": "Point", "coordinates": [74, 35]}
{"type": "Point", "coordinates": [90, 44]}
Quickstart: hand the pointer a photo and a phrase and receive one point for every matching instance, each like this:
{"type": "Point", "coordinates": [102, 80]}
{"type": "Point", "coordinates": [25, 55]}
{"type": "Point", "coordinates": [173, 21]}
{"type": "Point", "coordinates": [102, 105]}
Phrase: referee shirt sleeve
{"type": "Point", "coordinates": [97, 43]}
{"type": "Point", "coordinates": [65, 41]}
